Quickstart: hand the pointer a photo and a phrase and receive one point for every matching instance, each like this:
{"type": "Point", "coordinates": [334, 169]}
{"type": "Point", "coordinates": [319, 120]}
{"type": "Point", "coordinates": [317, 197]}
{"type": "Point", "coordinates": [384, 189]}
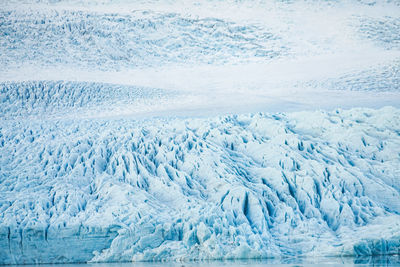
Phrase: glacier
{"type": "Point", "coordinates": [198, 130]}
{"type": "Point", "coordinates": [238, 186]}
{"type": "Point", "coordinates": [62, 99]}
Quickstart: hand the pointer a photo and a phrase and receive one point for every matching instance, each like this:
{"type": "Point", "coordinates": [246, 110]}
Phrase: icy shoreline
{"type": "Point", "coordinates": [240, 186]}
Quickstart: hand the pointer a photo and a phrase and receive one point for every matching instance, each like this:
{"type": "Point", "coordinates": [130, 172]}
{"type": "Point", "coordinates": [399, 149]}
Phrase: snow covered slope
{"type": "Point", "coordinates": [308, 183]}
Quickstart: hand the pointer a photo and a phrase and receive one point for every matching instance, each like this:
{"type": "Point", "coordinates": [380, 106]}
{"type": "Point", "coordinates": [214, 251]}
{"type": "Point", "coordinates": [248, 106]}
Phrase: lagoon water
{"type": "Point", "coordinates": [393, 260]}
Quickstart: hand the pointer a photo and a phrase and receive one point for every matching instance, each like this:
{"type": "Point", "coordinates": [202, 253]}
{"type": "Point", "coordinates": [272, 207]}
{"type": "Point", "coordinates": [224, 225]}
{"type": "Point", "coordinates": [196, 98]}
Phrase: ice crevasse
{"type": "Point", "coordinates": [228, 187]}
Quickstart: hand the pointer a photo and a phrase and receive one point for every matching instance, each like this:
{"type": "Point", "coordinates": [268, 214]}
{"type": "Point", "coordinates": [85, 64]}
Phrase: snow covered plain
{"type": "Point", "coordinates": [161, 130]}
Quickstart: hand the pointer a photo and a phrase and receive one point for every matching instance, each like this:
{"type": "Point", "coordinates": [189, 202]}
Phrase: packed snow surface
{"type": "Point", "coordinates": [118, 140]}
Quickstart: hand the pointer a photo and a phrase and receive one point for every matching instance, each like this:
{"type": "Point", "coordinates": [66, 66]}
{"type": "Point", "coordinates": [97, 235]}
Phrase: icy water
{"type": "Point", "coordinates": [393, 260]}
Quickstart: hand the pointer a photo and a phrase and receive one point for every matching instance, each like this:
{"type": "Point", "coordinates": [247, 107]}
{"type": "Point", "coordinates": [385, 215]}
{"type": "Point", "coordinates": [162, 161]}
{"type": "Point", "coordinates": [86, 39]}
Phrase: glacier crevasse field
{"type": "Point", "coordinates": [231, 187]}
{"type": "Point", "coordinates": [198, 130]}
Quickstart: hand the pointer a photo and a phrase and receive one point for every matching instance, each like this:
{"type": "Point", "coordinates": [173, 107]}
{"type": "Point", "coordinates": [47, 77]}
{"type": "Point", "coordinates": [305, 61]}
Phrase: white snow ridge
{"type": "Point", "coordinates": [198, 130]}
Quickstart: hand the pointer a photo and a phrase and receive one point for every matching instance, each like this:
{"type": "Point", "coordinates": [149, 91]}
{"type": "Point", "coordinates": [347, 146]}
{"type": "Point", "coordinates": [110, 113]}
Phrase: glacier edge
{"type": "Point", "coordinates": [230, 187]}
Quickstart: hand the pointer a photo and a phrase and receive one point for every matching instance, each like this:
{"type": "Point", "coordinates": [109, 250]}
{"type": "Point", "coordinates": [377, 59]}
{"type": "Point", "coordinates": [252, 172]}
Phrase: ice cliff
{"type": "Point", "coordinates": [248, 186]}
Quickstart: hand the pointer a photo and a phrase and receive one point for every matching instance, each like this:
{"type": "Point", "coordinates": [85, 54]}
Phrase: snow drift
{"type": "Point", "coordinates": [248, 186]}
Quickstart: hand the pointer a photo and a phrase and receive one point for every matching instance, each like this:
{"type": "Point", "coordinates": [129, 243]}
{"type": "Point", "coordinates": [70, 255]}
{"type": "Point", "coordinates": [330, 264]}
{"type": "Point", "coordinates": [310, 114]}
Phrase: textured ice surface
{"type": "Point", "coordinates": [384, 78]}
{"type": "Point", "coordinates": [383, 31]}
{"type": "Point", "coordinates": [126, 34]}
{"type": "Point", "coordinates": [87, 173]}
{"type": "Point", "coordinates": [224, 56]}
{"type": "Point", "coordinates": [141, 38]}
{"type": "Point", "coordinates": [248, 186]}
{"type": "Point", "coordinates": [63, 99]}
